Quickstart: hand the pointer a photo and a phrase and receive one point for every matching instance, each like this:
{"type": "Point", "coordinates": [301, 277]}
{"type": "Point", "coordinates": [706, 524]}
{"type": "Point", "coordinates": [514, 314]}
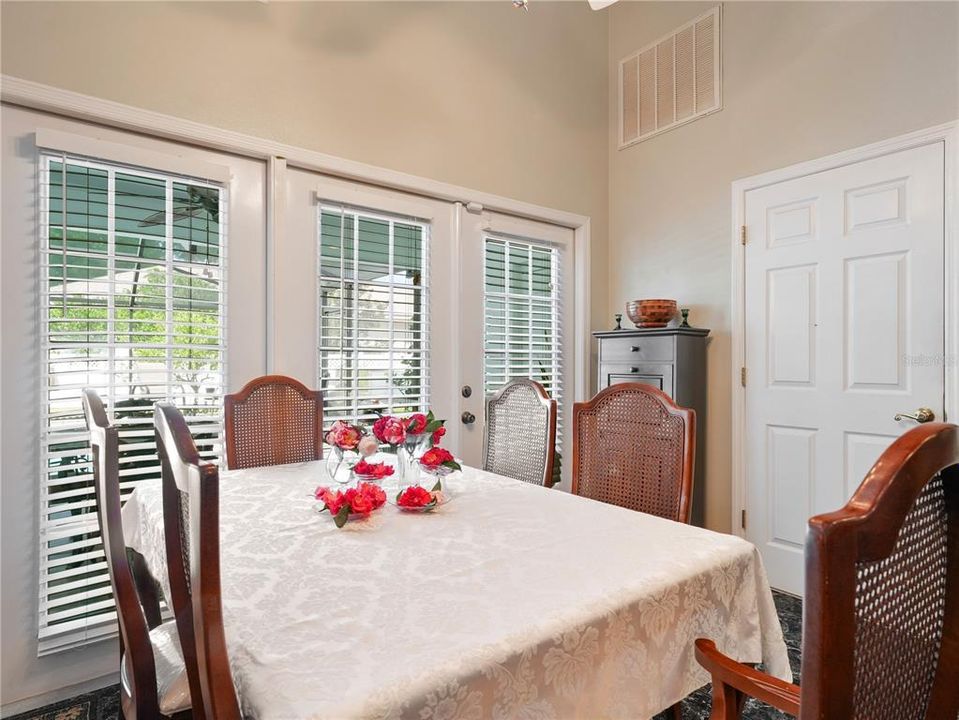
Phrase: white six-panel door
{"type": "Point", "coordinates": [844, 322]}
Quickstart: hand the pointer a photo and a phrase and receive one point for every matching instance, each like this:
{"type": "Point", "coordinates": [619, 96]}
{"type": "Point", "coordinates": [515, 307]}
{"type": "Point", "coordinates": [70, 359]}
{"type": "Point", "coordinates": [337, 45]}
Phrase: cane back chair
{"type": "Point", "coordinates": [520, 432]}
{"type": "Point", "coordinates": [191, 527]}
{"type": "Point", "coordinates": [152, 673]}
{"type": "Point", "coordinates": [634, 447]}
{"type": "Point", "coordinates": [273, 420]}
{"type": "Point", "coordinates": [881, 615]}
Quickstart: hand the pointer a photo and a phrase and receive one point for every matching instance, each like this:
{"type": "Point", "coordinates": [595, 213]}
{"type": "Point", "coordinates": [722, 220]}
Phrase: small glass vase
{"type": "Point", "coordinates": [339, 464]}
{"type": "Point", "coordinates": [408, 458]}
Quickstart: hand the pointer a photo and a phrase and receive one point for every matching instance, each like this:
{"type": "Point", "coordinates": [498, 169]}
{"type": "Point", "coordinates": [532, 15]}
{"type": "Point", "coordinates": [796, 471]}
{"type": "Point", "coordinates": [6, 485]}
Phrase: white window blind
{"type": "Point", "coordinates": [132, 304]}
{"type": "Point", "coordinates": [522, 315]}
{"type": "Point", "coordinates": [373, 313]}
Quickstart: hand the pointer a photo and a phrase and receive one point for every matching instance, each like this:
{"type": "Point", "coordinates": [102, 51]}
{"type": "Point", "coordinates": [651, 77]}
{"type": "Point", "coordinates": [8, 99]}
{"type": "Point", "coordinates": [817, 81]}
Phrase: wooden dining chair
{"type": "Point", "coordinates": [153, 681]}
{"type": "Point", "coordinates": [273, 420]}
{"type": "Point", "coordinates": [520, 433]}
{"type": "Point", "coordinates": [634, 447]}
{"type": "Point", "coordinates": [881, 616]}
{"type": "Point", "coordinates": [191, 523]}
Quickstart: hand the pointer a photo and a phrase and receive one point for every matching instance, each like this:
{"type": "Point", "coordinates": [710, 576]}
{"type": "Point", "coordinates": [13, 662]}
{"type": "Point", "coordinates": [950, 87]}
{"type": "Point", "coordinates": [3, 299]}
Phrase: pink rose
{"type": "Point", "coordinates": [390, 430]}
{"type": "Point", "coordinates": [368, 446]}
{"type": "Point", "coordinates": [343, 435]}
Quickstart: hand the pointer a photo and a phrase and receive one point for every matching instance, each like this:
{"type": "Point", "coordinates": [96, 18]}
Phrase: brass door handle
{"type": "Point", "coordinates": [922, 415]}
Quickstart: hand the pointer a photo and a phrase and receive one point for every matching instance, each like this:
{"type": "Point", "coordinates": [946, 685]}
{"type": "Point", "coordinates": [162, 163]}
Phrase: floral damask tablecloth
{"type": "Point", "coordinates": [510, 601]}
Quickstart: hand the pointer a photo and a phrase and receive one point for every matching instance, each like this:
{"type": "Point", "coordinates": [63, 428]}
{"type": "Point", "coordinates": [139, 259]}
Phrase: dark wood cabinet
{"type": "Point", "coordinates": [672, 360]}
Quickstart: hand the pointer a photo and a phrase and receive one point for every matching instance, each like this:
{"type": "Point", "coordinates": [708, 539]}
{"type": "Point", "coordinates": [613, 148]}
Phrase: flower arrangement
{"type": "Point", "coordinates": [396, 431]}
{"type": "Point", "coordinates": [419, 498]}
{"type": "Point", "coordinates": [361, 500]}
{"type": "Point", "coordinates": [420, 424]}
{"type": "Point", "coordinates": [372, 471]}
{"type": "Point", "coordinates": [439, 461]}
{"type": "Point", "coordinates": [344, 436]}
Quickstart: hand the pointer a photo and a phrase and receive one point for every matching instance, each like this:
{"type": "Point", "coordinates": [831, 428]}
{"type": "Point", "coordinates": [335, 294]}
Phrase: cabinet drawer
{"type": "Point", "coordinates": [637, 349]}
{"type": "Point", "coordinates": [660, 376]}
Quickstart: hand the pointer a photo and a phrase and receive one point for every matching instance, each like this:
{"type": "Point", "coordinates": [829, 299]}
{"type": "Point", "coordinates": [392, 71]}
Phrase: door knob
{"type": "Point", "coordinates": [922, 415]}
{"type": "Point", "coordinates": [468, 418]}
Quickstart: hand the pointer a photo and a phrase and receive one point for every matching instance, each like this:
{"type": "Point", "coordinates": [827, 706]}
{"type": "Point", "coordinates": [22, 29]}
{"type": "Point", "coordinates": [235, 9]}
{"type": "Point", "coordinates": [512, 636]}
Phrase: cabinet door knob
{"type": "Point", "coordinates": [635, 348]}
{"type": "Point", "coordinates": [634, 369]}
{"type": "Point", "coordinates": [468, 418]}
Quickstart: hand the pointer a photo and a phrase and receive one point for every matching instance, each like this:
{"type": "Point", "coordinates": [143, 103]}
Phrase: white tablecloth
{"type": "Point", "coordinates": [511, 601]}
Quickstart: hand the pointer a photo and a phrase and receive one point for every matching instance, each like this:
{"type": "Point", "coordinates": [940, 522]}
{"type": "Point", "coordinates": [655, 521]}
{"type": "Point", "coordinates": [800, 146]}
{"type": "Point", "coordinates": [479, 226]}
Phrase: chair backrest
{"type": "Point", "coordinates": [881, 616]}
{"type": "Point", "coordinates": [521, 432]}
{"type": "Point", "coordinates": [273, 420]}
{"type": "Point", "coordinates": [135, 593]}
{"type": "Point", "coordinates": [634, 447]}
{"type": "Point", "coordinates": [191, 509]}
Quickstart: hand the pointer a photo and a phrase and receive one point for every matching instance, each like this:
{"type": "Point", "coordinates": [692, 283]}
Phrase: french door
{"type": "Point", "coordinates": [393, 303]}
{"type": "Point", "coordinates": [515, 304]}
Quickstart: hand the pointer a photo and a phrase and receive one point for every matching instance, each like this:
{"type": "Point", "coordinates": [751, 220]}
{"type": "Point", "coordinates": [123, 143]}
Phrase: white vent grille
{"type": "Point", "coordinates": [671, 81]}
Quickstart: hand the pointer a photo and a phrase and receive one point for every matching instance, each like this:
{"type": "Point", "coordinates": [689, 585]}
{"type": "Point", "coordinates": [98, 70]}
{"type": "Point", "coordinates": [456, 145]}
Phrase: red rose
{"type": "Point", "coordinates": [373, 493]}
{"type": "Point", "coordinates": [361, 503]}
{"type": "Point", "coordinates": [332, 500]}
{"type": "Point", "coordinates": [374, 470]}
{"type": "Point", "coordinates": [389, 430]}
{"type": "Point", "coordinates": [434, 457]}
{"type": "Point", "coordinates": [414, 496]}
{"type": "Point", "coordinates": [416, 423]}
{"type": "Point", "coordinates": [438, 435]}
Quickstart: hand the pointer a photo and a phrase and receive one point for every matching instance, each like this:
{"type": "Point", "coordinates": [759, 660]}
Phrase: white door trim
{"type": "Point", "coordinates": [37, 96]}
{"type": "Point", "coordinates": [948, 134]}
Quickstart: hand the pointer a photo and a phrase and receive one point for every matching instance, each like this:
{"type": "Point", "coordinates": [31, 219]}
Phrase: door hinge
{"type": "Point", "coordinates": [742, 519]}
{"type": "Point", "coordinates": [742, 235]}
{"type": "Point", "coordinates": [742, 376]}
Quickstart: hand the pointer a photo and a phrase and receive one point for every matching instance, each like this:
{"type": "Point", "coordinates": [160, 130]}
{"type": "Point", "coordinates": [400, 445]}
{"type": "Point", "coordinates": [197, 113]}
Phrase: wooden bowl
{"type": "Point", "coordinates": [651, 313]}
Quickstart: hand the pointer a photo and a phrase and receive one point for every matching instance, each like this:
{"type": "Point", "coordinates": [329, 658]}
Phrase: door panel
{"type": "Point", "coordinates": [391, 345]}
{"type": "Point", "coordinates": [844, 292]}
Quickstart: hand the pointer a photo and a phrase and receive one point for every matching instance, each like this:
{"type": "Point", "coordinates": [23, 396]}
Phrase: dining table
{"type": "Point", "coordinates": [510, 600]}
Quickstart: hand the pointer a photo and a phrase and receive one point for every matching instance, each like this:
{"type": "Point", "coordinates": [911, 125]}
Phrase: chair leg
{"type": "Point", "coordinates": [728, 702]}
{"type": "Point", "coordinates": [677, 711]}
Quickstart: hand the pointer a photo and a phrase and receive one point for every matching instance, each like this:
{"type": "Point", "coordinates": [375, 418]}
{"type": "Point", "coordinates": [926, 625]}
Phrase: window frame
{"type": "Point", "coordinates": [82, 629]}
{"type": "Point", "coordinates": [556, 386]}
{"type": "Point", "coordinates": [391, 217]}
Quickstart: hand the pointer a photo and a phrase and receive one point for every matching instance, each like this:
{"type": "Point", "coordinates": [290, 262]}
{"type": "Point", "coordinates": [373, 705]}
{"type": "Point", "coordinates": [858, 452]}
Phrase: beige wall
{"type": "Point", "coordinates": [801, 80]}
{"type": "Point", "coordinates": [476, 94]}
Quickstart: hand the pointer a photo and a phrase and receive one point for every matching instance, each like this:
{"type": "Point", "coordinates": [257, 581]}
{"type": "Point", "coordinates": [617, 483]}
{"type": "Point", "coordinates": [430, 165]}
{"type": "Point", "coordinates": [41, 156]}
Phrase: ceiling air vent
{"type": "Point", "coordinates": [671, 81]}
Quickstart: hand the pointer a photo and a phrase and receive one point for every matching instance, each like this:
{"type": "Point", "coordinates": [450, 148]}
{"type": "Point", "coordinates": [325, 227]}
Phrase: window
{"type": "Point", "coordinates": [132, 304]}
{"type": "Point", "coordinates": [373, 314]}
{"type": "Point", "coordinates": [523, 331]}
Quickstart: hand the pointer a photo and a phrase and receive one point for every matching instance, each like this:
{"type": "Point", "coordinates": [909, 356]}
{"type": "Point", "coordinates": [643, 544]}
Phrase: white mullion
{"type": "Point", "coordinates": [111, 275]}
{"type": "Point", "coordinates": [426, 312]}
{"type": "Point", "coordinates": [356, 318]}
{"type": "Point", "coordinates": [390, 320]}
{"type": "Point", "coordinates": [343, 307]}
{"type": "Point", "coordinates": [44, 303]}
{"type": "Point", "coordinates": [168, 236]}
{"type": "Point", "coordinates": [529, 307]}
{"type": "Point", "coordinates": [506, 290]}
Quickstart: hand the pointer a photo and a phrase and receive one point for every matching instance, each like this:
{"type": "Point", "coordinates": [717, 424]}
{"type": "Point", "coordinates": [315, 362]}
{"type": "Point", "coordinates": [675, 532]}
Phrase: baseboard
{"type": "Point", "coordinates": [48, 698]}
